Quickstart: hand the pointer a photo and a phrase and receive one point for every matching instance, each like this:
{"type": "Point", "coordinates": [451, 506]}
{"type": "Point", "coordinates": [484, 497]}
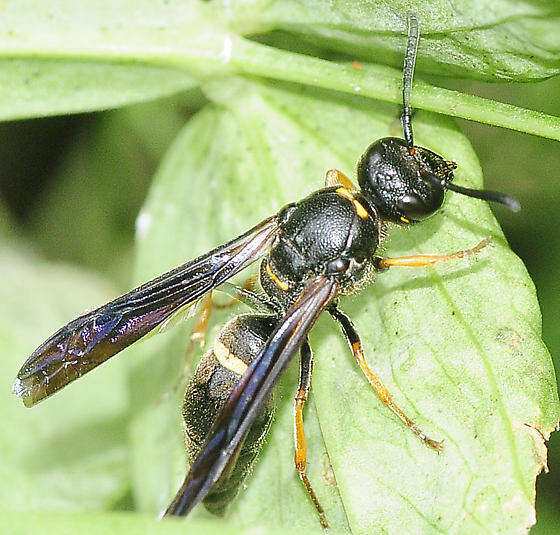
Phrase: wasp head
{"type": "Point", "coordinates": [403, 183]}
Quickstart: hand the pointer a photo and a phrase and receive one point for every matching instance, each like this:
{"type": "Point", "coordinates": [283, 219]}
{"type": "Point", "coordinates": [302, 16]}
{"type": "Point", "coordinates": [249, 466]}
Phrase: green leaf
{"type": "Point", "coordinates": [68, 454]}
{"type": "Point", "coordinates": [101, 37]}
{"type": "Point", "coordinates": [507, 40]}
{"type": "Point", "coordinates": [458, 346]}
{"type": "Point", "coordinates": [58, 59]}
{"type": "Point", "coordinates": [101, 524]}
{"type": "Point", "coordinates": [110, 165]}
{"type": "Point", "coordinates": [37, 88]}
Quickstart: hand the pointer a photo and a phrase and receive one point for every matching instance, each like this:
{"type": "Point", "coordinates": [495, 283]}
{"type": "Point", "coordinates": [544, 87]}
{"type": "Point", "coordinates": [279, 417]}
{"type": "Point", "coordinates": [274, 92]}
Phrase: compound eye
{"type": "Point", "coordinates": [417, 208]}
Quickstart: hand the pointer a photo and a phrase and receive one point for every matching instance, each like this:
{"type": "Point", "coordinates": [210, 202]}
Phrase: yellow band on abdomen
{"type": "Point", "coordinates": [227, 359]}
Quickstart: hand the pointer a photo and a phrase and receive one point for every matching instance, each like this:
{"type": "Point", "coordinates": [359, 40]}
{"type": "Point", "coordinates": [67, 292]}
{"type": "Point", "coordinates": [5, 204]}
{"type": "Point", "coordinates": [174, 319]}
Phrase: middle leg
{"type": "Point", "coordinates": [198, 335]}
{"type": "Point", "coordinates": [237, 294]}
{"type": "Point", "coordinates": [357, 349]}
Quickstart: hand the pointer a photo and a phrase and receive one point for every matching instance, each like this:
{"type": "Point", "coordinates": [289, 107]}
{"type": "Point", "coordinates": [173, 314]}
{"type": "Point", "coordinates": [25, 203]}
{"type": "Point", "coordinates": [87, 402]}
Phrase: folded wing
{"type": "Point", "coordinates": [227, 434]}
{"type": "Point", "coordinates": [91, 339]}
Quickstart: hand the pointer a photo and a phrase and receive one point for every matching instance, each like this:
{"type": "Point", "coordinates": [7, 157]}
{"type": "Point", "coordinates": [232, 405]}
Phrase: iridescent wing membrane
{"type": "Point", "coordinates": [91, 339]}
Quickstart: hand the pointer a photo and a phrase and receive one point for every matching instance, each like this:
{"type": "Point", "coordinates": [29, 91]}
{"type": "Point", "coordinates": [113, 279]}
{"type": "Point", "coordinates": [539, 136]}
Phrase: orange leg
{"type": "Point", "coordinates": [207, 304]}
{"type": "Point", "coordinates": [198, 335]}
{"type": "Point", "coordinates": [300, 457]}
{"type": "Point", "coordinates": [423, 260]}
{"type": "Point", "coordinates": [336, 178]}
{"type": "Point", "coordinates": [201, 324]}
{"type": "Point", "coordinates": [374, 380]}
{"type": "Point", "coordinates": [248, 285]}
{"type": "Point", "coordinates": [200, 329]}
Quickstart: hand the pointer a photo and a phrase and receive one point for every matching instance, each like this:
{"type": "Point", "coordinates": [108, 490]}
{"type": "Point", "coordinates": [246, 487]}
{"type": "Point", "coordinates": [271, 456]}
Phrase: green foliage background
{"type": "Point", "coordinates": [236, 124]}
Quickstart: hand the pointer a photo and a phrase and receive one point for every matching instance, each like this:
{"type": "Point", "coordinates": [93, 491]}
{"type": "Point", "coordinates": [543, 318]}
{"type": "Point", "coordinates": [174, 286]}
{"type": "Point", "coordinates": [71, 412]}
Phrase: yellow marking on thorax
{"type": "Point", "coordinates": [227, 359]}
{"type": "Point", "coordinates": [360, 210]}
{"type": "Point", "coordinates": [343, 192]}
{"type": "Point", "coordinates": [358, 207]}
{"type": "Point", "coordinates": [281, 284]}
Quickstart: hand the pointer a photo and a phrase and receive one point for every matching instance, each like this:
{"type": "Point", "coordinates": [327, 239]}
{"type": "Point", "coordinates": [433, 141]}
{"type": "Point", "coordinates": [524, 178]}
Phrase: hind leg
{"type": "Point", "coordinates": [300, 457]}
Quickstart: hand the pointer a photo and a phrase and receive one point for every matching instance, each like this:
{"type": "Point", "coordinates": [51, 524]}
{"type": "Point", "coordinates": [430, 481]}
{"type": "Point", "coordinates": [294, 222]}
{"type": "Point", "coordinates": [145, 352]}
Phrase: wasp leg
{"type": "Point", "coordinates": [422, 260]}
{"type": "Point", "coordinates": [240, 292]}
{"type": "Point", "coordinates": [357, 349]}
{"type": "Point", "coordinates": [198, 334]}
{"type": "Point", "coordinates": [335, 177]}
{"type": "Point", "coordinates": [207, 304]}
{"type": "Point", "coordinates": [200, 329]}
{"type": "Point", "coordinates": [300, 457]}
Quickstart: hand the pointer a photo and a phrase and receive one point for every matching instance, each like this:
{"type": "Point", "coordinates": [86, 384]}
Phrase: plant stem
{"type": "Point", "coordinates": [384, 83]}
{"type": "Point", "coordinates": [219, 53]}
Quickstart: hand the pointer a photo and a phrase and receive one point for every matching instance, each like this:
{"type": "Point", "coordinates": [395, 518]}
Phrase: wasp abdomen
{"type": "Point", "coordinates": [215, 377]}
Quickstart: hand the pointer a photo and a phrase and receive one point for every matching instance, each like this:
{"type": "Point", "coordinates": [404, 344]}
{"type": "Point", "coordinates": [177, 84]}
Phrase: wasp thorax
{"type": "Point", "coordinates": [403, 183]}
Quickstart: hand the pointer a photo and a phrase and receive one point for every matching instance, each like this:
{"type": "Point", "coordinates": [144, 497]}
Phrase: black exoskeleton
{"type": "Point", "coordinates": [321, 235]}
{"type": "Point", "coordinates": [212, 383]}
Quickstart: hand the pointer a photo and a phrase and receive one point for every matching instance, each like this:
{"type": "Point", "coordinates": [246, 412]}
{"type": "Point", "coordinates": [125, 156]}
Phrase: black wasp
{"type": "Point", "coordinates": [314, 250]}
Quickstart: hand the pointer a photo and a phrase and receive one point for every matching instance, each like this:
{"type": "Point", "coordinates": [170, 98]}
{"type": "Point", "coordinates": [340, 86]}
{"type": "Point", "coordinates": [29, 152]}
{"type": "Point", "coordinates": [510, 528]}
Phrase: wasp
{"type": "Point", "coordinates": [312, 251]}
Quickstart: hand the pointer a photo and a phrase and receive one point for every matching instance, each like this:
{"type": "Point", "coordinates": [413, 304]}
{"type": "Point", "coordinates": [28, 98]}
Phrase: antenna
{"type": "Point", "coordinates": [408, 75]}
{"type": "Point", "coordinates": [486, 195]}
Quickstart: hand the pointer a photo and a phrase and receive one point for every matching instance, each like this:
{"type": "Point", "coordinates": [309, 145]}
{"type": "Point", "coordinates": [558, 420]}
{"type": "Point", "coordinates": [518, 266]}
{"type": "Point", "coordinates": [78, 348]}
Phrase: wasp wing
{"type": "Point", "coordinates": [89, 340]}
{"type": "Point", "coordinates": [228, 432]}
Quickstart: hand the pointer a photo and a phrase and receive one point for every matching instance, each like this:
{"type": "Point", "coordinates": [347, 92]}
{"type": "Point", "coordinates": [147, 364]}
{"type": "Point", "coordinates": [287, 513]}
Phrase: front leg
{"type": "Point", "coordinates": [423, 260]}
